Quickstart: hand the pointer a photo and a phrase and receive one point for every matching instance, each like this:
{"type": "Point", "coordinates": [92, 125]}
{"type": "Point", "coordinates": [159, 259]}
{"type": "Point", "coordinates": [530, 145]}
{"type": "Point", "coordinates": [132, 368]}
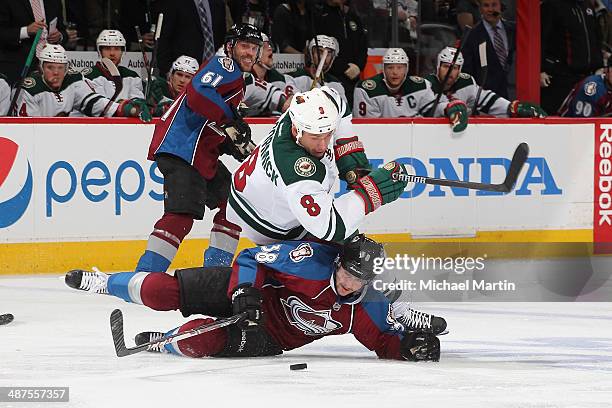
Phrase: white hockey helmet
{"type": "Point", "coordinates": [110, 38]}
{"type": "Point", "coordinates": [53, 53]}
{"type": "Point", "coordinates": [186, 64]}
{"type": "Point", "coordinates": [324, 41]}
{"type": "Point", "coordinates": [395, 56]}
{"type": "Point", "coordinates": [314, 111]}
{"type": "Point", "coordinates": [447, 55]}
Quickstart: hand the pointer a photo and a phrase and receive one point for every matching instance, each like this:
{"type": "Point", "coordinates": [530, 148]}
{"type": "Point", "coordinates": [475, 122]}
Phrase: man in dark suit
{"type": "Point", "coordinates": [182, 32]}
{"type": "Point", "coordinates": [18, 28]}
{"type": "Point", "coordinates": [500, 38]}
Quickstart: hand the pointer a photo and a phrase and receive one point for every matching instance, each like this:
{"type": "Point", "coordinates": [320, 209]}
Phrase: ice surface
{"type": "Point", "coordinates": [496, 355]}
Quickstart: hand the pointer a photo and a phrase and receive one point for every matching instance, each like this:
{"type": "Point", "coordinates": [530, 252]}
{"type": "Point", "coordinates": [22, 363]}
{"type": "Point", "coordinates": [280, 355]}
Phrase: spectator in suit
{"type": "Point", "coordinates": [570, 48]}
{"type": "Point", "coordinates": [187, 30]}
{"type": "Point", "coordinates": [19, 21]}
{"type": "Point", "coordinates": [499, 36]}
{"type": "Point", "coordinates": [292, 27]}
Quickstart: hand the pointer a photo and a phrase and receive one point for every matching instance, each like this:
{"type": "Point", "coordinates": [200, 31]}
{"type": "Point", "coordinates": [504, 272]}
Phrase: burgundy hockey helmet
{"type": "Point", "coordinates": [358, 256]}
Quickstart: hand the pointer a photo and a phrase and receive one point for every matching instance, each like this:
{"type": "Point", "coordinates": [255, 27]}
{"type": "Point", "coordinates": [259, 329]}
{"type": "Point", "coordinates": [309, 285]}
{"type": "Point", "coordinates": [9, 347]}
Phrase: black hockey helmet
{"type": "Point", "coordinates": [243, 32]}
{"type": "Point", "coordinates": [358, 255]}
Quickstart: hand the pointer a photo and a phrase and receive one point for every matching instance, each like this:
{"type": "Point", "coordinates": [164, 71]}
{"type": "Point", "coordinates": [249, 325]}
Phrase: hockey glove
{"type": "Point", "coordinates": [419, 346]}
{"type": "Point", "coordinates": [379, 187]}
{"type": "Point", "coordinates": [134, 108]}
{"type": "Point", "coordinates": [350, 155]}
{"type": "Point", "coordinates": [518, 109]}
{"type": "Point", "coordinates": [246, 298]}
{"type": "Point", "coordinates": [457, 113]}
{"type": "Point", "coordinates": [238, 142]}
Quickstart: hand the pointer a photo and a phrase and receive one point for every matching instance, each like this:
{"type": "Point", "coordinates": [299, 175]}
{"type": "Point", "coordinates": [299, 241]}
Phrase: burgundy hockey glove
{"type": "Point", "coordinates": [379, 188]}
{"type": "Point", "coordinates": [457, 113]}
{"type": "Point", "coordinates": [419, 346]}
{"type": "Point", "coordinates": [246, 298]}
{"type": "Point", "coordinates": [518, 109]}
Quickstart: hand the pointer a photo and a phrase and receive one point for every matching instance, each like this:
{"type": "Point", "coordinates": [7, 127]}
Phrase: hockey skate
{"type": "Point", "coordinates": [94, 282]}
{"type": "Point", "coordinates": [147, 337]}
{"type": "Point", "coordinates": [414, 320]}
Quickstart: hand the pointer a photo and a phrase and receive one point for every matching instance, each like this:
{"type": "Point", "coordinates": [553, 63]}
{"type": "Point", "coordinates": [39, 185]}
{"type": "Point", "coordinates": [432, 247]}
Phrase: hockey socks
{"type": "Point", "coordinates": [159, 291]}
{"type": "Point", "coordinates": [164, 241]}
{"type": "Point", "coordinates": [224, 238]}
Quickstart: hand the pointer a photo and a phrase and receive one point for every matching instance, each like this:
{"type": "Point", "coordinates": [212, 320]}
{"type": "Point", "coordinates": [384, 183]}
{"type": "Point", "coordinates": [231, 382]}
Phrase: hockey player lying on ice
{"type": "Point", "coordinates": [294, 292]}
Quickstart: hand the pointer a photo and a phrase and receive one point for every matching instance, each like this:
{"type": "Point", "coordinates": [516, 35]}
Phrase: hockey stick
{"type": "Point", "coordinates": [145, 59]}
{"type": "Point", "coordinates": [317, 77]}
{"type": "Point", "coordinates": [482, 52]}
{"type": "Point", "coordinates": [26, 68]}
{"type": "Point", "coordinates": [153, 66]}
{"type": "Point", "coordinates": [6, 319]}
{"type": "Point", "coordinates": [116, 324]}
{"type": "Point", "coordinates": [518, 160]}
{"type": "Point", "coordinates": [117, 80]}
{"type": "Point", "coordinates": [459, 47]}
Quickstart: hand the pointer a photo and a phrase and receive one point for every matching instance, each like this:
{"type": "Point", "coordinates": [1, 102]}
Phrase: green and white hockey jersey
{"type": "Point", "coordinates": [264, 97]}
{"type": "Point", "coordinates": [281, 192]}
{"type": "Point", "coordinates": [466, 89]}
{"type": "Point", "coordinates": [161, 96]}
{"type": "Point", "coordinates": [300, 81]}
{"type": "Point", "coordinates": [5, 96]}
{"type": "Point", "coordinates": [132, 84]}
{"type": "Point", "coordinates": [37, 99]}
{"type": "Point", "coordinates": [372, 99]}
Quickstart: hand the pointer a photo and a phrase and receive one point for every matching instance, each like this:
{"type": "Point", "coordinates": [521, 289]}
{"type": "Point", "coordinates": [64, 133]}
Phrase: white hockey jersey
{"type": "Point", "coordinates": [264, 97]}
{"type": "Point", "coordinates": [132, 84]}
{"type": "Point", "coordinates": [372, 99]}
{"type": "Point", "coordinates": [281, 192]}
{"type": "Point", "coordinates": [37, 99]}
{"type": "Point", "coordinates": [466, 89]}
{"type": "Point", "coordinates": [300, 81]}
{"type": "Point", "coordinates": [5, 96]}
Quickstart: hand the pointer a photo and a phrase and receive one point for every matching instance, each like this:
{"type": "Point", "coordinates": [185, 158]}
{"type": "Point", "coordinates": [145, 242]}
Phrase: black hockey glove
{"type": "Point", "coordinates": [238, 142]}
{"type": "Point", "coordinates": [420, 346]}
{"type": "Point", "coordinates": [247, 299]}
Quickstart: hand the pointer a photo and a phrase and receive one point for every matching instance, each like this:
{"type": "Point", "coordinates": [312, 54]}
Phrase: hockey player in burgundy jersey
{"type": "Point", "coordinates": [202, 123]}
{"type": "Point", "coordinates": [293, 292]}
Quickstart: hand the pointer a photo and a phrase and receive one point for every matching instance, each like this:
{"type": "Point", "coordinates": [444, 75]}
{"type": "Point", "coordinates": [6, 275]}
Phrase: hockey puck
{"type": "Point", "coordinates": [301, 366]}
{"type": "Point", "coordinates": [6, 318]}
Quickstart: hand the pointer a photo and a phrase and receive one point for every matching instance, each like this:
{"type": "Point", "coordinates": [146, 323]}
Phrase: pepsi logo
{"type": "Point", "coordinates": [15, 182]}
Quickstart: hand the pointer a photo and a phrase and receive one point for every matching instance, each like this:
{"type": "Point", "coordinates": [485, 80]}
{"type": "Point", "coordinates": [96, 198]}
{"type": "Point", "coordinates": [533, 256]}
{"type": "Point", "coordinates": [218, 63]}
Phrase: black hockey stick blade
{"type": "Point", "coordinates": [518, 161]}
{"type": "Point", "coordinates": [116, 322]}
{"type": "Point", "coordinates": [6, 319]}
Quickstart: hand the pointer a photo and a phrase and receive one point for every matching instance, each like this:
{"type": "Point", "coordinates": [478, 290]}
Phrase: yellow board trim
{"type": "Point", "coordinates": [59, 257]}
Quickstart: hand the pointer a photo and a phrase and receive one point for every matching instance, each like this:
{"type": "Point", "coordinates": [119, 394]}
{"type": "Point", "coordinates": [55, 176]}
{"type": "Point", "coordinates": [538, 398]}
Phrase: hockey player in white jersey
{"type": "Point", "coordinates": [462, 86]}
{"type": "Point", "coordinates": [5, 96]}
{"type": "Point", "coordinates": [111, 45]}
{"type": "Point", "coordinates": [393, 94]}
{"type": "Point", "coordinates": [285, 188]}
{"type": "Point", "coordinates": [301, 80]}
{"type": "Point", "coordinates": [56, 91]}
{"type": "Point", "coordinates": [264, 95]}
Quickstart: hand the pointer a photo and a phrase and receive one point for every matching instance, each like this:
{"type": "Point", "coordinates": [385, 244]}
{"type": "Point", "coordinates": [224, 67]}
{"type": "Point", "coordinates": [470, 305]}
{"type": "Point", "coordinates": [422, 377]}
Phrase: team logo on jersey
{"type": "Point", "coordinates": [416, 79]}
{"type": "Point", "coordinates": [304, 167]}
{"type": "Point", "coordinates": [86, 71]}
{"type": "Point", "coordinates": [29, 82]}
{"type": "Point", "coordinates": [464, 75]}
{"type": "Point", "coordinates": [389, 166]}
{"type": "Point", "coordinates": [368, 84]}
{"type": "Point", "coordinates": [353, 25]}
{"type": "Point", "coordinates": [227, 64]}
{"type": "Point", "coordinates": [590, 88]}
{"type": "Point", "coordinates": [306, 319]}
{"type": "Point", "coordinates": [300, 253]}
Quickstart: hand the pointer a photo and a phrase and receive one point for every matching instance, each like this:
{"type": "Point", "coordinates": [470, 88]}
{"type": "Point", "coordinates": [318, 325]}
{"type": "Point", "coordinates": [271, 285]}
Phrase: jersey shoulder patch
{"type": "Point", "coordinates": [29, 82]}
{"type": "Point", "coordinates": [416, 79]}
{"type": "Point", "coordinates": [590, 88]}
{"type": "Point", "coordinates": [227, 64]}
{"type": "Point", "coordinates": [368, 85]}
{"type": "Point", "coordinates": [464, 80]}
{"type": "Point", "coordinates": [34, 84]}
{"type": "Point", "coordinates": [374, 86]}
{"type": "Point", "coordinates": [414, 84]}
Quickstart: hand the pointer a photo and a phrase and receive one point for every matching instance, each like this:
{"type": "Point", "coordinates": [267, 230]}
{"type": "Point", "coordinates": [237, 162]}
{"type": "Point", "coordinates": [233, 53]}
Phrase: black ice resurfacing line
{"type": "Point", "coordinates": [116, 324]}
{"type": "Point", "coordinates": [518, 160]}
